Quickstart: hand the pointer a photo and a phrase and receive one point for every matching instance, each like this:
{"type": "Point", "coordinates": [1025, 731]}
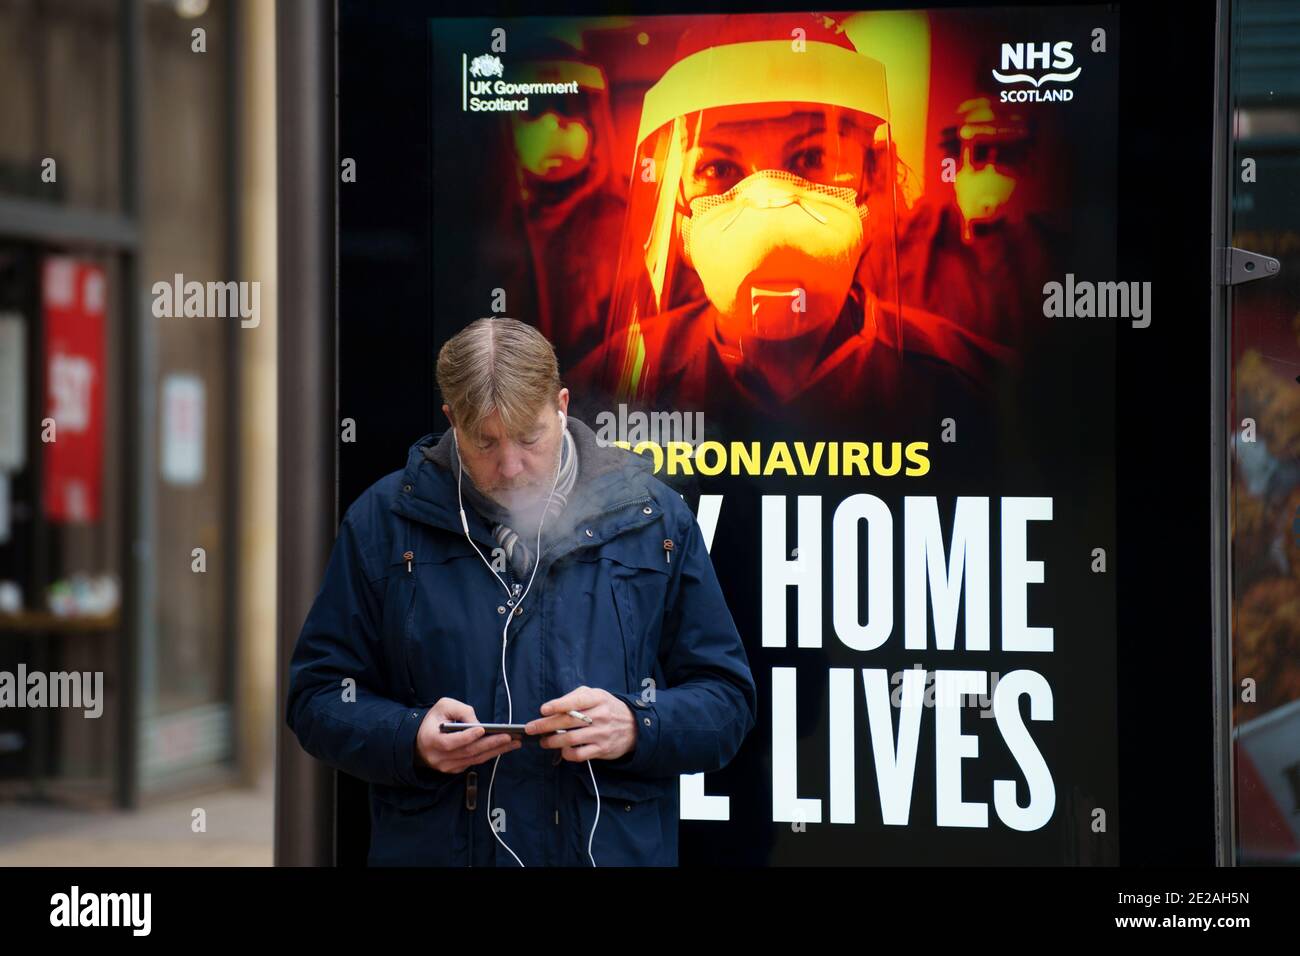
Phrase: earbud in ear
{"type": "Point", "coordinates": [564, 419]}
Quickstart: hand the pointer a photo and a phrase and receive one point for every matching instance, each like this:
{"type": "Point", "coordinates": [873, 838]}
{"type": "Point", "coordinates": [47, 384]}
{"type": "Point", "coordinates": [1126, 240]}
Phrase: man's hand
{"type": "Point", "coordinates": [453, 753]}
{"type": "Point", "coordinates": [611, 733]}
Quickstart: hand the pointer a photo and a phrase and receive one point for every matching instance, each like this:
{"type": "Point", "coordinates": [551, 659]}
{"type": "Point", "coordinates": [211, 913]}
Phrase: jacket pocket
{"type": "Point", "coordinates": [412, 826]}
{"type": "Point", "coordinates": [638, 602]}
{"type": "Point", "coordinates": [631, 829]}
{"type": "Point", "coordinates": [418, 628]}
{"type": "Point", "coordinates": [620, 588]}
{"type": "Point", "coordinates": [414, 799]}
{"type": "Point", "coordinates": [640, 574]}
{"type": "Point", "coordinates": [408, 637]}
{"type": "Point", "coordinates": [623, 787]}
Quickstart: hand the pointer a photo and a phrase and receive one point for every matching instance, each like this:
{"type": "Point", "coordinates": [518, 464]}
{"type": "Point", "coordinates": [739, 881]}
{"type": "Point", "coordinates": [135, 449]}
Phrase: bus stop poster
{"type": "Point", "coordinates": [849, 279]}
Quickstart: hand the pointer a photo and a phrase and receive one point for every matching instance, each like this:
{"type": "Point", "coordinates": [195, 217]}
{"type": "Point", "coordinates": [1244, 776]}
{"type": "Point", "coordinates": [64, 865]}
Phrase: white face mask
{"type": "Point", "coordinates": [776, 253]}
{"type": "Point", "coordinates": [981, 193]}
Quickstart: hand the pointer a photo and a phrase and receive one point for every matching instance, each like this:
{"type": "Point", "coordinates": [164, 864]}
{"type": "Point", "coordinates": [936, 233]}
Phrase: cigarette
{"type": "Point", "coordinates": [581, 716]}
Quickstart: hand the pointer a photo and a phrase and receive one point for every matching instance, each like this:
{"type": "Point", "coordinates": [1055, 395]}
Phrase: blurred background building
{"type": "Point", "coordinates": [141, 541]}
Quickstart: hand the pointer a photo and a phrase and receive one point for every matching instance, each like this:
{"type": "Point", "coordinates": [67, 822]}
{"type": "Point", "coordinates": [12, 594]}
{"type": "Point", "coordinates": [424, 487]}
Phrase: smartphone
{"type": "Point", "coordinates": [514, 730]}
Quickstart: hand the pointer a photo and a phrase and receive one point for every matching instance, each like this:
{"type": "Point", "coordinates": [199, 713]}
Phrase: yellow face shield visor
{"type": "Point", "coordinates": [750, 189]}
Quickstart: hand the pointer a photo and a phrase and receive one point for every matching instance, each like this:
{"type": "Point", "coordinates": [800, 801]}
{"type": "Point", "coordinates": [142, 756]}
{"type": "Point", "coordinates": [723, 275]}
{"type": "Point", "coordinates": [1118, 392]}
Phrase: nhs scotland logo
{"type": "Point", "coordinates": [1020, 61]}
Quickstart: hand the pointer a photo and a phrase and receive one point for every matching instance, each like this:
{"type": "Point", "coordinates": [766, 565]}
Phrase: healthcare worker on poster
{"type": "Point", "coordinates": [570, 192]}
{"type": "Point", "coordinates": [763, 174]}
{"type": "Point", "coordinates": [978, 250]}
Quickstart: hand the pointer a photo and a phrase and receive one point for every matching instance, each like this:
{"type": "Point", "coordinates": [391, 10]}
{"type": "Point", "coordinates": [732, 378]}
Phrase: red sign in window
{"type": "Point", "coordinates": [73, 296]}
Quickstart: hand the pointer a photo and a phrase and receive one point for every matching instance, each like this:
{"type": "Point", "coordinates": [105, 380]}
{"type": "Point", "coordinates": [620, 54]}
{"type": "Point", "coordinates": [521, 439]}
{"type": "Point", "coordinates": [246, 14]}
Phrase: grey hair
{"type": "Point", "coordinates": [501, 365]}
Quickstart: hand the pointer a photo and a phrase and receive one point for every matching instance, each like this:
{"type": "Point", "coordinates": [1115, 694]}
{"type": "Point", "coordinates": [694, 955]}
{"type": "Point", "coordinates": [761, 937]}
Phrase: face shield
{"type": "Point", "coordinates": [756, 192]}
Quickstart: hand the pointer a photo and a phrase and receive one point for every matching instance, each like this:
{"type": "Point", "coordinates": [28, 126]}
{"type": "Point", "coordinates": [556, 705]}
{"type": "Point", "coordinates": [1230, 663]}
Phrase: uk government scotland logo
{"type": "Point", "coordinates": [483, 88]}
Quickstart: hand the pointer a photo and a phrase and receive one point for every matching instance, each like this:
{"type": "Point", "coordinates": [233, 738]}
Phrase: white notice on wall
{"type": "Point", "coordinates": [13, 392]}
{"type": "Point", "coordinates": [182, 429]}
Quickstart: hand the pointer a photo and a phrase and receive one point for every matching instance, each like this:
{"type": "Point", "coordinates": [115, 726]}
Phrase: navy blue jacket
{"type": "Point", "coordinates": [611, 607]}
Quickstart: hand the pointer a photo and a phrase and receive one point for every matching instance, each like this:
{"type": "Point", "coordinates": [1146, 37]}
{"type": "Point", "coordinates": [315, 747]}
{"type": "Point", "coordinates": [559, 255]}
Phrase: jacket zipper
{"type": "Point", "coordinates": [471, 778]}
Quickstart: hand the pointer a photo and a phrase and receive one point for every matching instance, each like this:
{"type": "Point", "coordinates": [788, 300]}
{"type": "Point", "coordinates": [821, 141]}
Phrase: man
{"type": "Point", "coordinates": [571, 580]}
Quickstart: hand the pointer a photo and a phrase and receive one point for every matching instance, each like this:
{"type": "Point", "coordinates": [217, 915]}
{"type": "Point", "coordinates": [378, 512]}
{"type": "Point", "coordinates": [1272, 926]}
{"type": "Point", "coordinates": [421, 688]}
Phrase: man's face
{"type": "Point", "coordinates": [515, 470]}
